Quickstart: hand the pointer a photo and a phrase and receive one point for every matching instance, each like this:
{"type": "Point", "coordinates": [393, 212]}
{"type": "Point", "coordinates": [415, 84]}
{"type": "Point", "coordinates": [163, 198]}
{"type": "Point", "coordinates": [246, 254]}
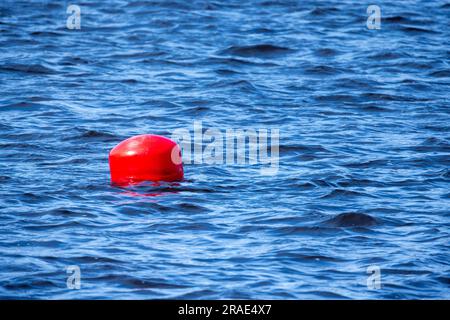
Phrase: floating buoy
{"type": "Point", "coordinates": [145, 157]}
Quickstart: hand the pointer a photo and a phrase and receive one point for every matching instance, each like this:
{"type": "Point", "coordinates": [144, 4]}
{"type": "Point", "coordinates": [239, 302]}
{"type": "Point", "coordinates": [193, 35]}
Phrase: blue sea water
{"type": "Point", "coordinates": [363, 179]}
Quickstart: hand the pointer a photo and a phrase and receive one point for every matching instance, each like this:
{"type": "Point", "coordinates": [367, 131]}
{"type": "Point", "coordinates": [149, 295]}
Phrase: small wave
{"type": "Point", "coordinates": [304, 230]}
{"type": "Point", "coordinates": [259, 50]}
{"type": "Point", "coordinates": [173, 5]}
{"type": "Point", "coordinates": [367, 164]}
{"type": "Point", "coordinates": [441, 73]}
{"type": "Point", "coordinates": [306, 257]}
{"type": "Point", "coordinates": [73, 61]}
{"type": "Point", "coordinates": [397, 19]}
{"type": "Point", "coordinates": [24, 106]}
{"type": "Point", "coordinates": [94, 259]}
{"type": "Point", "coordinates": [93, 135]}
{"type": "Point", "coordinates": [51, 34]}
{"type": "Point", "coordinates": [388, 55]}
{"type": "Point", "coordinates": [341, 193]}
{"type": "Point", "coordinates": [27, 284]}
{"type": "Point", "coordinates": [336, 98]}
{"type": "Point", "coordinates": [226, 72]}
{"type": "Point", "coordinates": [354, 182]}
{"type": "Point", "coordinates": [190, 207]}
{"type": "Point", "coordinates": [235, 62]}
{"type": "Point", "coordinates": [417, 30]}
{"type": "Point", "coordinates": [243, 85]}
{"type": "Point", "coordinates": [67, 213]}
{"type": "Point", "coordinates": [326, 52]}
{"type": "Point", "coordinates": [199, 294]}
{"type": "Point", "coordinates": [198, 227]}
{"type": "Point", "coordinates": [135, 282]}
{"type": "Point", "coordinates": [374, 108]}
{"type": "Point", "coordinates": [30, 68]}
{"type": "Point", "coordinates": [302, 148]}
{"type": "Point", "coordinates": [363, 124]}
{"type": "Point", "coordinates": [391, 97]}
{"type": "Point", "coordinates": [323, 11]}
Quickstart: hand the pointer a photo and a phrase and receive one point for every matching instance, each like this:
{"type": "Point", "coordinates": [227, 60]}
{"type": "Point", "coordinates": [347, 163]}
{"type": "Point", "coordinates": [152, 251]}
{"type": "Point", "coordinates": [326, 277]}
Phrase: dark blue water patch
{"type": "Point", "coordinates": [441, 73]}
{"type": "Point", "coordinates": [395, 19]}
{"type": "Point", "coordinates": [36, 69]}
{"type": "Point", "coordinates": [25, 107]}
{"type": "Point", "coordinates": [227, 72]}
{"type": "Point", "coordinates": [351, 219]}
{"type": "Point", "coordinates": [324, 70]}
{"type": "Point", "coordinates": [389, 55]}
{"type": "Point", "coordinates": [25, 284]}
{"type": "Point", "coordinates": [135, 282]}
{"type": "Point", "coordinates": [340, 194]}
{"type": "Point", "coordinates": [364, 150]}
{"type": "Point", "coordinates": [237, 62]}
{"type": "Point", "coordinates": [3, 179]}
{"type": "Point", "coordinates": [410, 29]}
{"type": "Point", "coordinates": [315, 231]}
{"type": "Point", "coordinates": [257, 51]}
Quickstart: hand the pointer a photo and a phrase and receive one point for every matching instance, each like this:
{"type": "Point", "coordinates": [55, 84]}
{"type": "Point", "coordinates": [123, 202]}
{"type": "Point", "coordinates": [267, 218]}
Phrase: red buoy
{"type": "Point", "coordinates": [145, 157]}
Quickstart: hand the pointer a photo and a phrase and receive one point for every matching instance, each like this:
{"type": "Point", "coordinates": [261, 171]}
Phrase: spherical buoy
{"type": "Point", "coordinates": [145, 157]}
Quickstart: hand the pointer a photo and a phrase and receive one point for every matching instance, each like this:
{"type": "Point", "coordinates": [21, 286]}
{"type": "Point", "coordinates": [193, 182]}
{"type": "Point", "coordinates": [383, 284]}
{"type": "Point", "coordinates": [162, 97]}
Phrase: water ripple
{"type": "Point", "coordinates": [363, 177]}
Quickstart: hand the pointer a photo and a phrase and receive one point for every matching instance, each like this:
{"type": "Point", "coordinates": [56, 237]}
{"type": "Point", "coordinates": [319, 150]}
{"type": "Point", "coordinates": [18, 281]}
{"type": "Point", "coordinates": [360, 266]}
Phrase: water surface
{"type": "Point", "coordinates": [363, 177]}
